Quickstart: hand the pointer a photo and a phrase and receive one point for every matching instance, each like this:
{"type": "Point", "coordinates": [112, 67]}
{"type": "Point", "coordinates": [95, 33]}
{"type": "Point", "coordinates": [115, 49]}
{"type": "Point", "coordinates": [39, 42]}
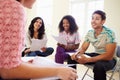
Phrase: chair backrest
{"type": "Point", "coordinates": [118, 51]}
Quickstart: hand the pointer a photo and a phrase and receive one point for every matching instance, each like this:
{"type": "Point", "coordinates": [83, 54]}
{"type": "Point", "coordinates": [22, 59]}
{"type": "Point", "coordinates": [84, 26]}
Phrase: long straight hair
{"type": "Point", "coordinates": [41, 30]}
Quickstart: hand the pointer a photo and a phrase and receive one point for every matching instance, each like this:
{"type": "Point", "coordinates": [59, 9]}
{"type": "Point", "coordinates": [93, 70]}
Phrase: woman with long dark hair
{"type": "Point", "coordinates": [37, 31]}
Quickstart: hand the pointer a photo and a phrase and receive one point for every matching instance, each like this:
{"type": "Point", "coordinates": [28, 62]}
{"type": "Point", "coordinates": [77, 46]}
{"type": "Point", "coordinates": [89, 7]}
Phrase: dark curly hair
{"type": "Point", "coordinates": [72, 22]}
{"type": "Point", "coordinates": [41, 30]}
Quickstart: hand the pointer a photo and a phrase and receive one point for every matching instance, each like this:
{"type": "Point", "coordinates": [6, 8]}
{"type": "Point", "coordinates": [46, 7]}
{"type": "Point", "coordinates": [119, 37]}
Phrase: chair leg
{"type": "Point", "coordinates": [85, 74]}
{"type": "Point", "coordinates": [116, 69]}
{"type": "Point", "coordinates": [111, 77]}
{"type": "Point", "coordinates": [119, 69]}
{"type": "Point", "coordinates": [119, 74]}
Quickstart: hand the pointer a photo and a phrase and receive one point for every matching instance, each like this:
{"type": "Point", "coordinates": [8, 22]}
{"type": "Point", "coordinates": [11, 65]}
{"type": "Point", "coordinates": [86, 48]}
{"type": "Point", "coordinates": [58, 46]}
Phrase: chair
{"type": "Point", "coordinates": [115, 69]}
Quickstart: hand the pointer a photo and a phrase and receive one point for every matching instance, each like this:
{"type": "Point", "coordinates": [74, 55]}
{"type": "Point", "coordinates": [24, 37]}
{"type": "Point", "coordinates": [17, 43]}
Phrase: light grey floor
{"type": "Point", "coordinates": [81, 70]}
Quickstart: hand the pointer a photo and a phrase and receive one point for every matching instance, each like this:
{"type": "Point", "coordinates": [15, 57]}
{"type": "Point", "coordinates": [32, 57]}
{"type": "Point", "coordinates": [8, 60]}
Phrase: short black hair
{"type": "Point", "coordinates": [101, 13]}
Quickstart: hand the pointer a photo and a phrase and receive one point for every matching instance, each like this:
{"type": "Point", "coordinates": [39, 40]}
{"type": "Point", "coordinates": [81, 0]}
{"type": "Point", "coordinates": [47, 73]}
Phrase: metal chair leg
{"type": "Point", "coordinates": [85, 74]}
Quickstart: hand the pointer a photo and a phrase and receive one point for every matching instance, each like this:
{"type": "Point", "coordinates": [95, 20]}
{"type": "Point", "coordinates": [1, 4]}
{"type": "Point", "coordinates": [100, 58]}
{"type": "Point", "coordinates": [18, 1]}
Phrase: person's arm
{"type": "Point", "coordinates": [82, 50]}
{"type": "Point", "coordinates": [27, 43]}
{"type": "Point", "coordinates": [84, 47]}
{"type": "Point", "coordinates": [108, 55]}
{"type": "Point", "coordinates": [28, 40]}
{"type": "Point", "coordinates": [30, 71]}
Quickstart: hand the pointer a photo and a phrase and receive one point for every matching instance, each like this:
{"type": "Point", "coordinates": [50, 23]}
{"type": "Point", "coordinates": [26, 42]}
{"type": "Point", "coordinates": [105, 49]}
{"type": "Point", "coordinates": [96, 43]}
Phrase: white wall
{"type": "Point", "coordinates": [112, 9]}
{"type": "Point", "coordinates": [61, 7]}
{"type": "Point", "coordinates": [30, 13]}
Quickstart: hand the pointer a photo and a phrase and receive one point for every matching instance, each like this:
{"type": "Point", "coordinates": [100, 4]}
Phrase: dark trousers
{"type": "Point", "coordinates": [100, 67]}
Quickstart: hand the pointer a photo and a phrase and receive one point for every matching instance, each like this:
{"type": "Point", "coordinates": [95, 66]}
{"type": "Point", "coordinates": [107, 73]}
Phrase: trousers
{"type": "Point", "coordinates": [100, 67]}
{"type": "Point", "coordinates": [61, 54]}
{"type": "Point", "coordinates": [48, 52]}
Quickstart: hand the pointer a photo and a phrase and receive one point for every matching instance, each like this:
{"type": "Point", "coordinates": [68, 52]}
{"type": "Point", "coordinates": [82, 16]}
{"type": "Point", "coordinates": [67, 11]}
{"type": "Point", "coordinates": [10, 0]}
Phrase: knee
{"type": "Point", "coordinates": [31, 54]}
{"type": "Point", "coordinates": [99, 66]}
{"type": "Point", "coordinates": [51, 50]}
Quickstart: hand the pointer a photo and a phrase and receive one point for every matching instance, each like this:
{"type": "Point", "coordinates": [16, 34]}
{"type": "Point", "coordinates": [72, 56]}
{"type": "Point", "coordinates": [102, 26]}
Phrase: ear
{"type": "Point", "coordinates": [103, 21]}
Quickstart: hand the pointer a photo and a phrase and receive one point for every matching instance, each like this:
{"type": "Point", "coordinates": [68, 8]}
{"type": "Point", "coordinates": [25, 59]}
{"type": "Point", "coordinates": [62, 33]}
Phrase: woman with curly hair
{"type": "Point", "coordinates": [67, 30]}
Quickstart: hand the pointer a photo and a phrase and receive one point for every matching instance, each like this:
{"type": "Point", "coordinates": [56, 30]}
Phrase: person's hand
{"type": "Point", "coordinates": [27, 51]}
{"type": "Point", "coordinates": [82, 59]}
{"type": "Point", "coordinates": [74, 56]}
{"type": "Point", "coordinates": [43, 49]}
{"type": "Point", "coordinates": [30, 61]}
{"type": "Point", "coordinates": [67, 73]}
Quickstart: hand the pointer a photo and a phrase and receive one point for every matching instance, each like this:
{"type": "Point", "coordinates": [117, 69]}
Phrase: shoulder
{"type": "Point", "coordinates": [108, 31]}
{"type": "Point", "coordinates": [10, 4]}
{"type": "Point", "coordinates": [90, 32]}
{"type": "Point", "coordinates": [12, 8]}
{"type": "Point", "coordinates": [110, 34]}
{"type": "Point", "coordinates": [44, 35]}
{"type": "Point", "coordinates": [28, 33]}
{"type": "Point", "coordinates": [76, 33]}
{"type": "Point", "coordinates": [62, 33]}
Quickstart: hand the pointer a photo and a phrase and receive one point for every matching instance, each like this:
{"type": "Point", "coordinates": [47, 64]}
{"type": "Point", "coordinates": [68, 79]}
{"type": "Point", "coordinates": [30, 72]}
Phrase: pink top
{"type": "Point", "coordinates": [71, 39]}
{"type": "Point", "coordinates": [12, 22]}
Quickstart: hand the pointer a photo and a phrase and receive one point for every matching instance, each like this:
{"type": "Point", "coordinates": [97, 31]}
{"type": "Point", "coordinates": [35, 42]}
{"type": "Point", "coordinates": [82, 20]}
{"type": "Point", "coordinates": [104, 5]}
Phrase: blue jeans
{"type": "Point", "coordinates": [48, 52]}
